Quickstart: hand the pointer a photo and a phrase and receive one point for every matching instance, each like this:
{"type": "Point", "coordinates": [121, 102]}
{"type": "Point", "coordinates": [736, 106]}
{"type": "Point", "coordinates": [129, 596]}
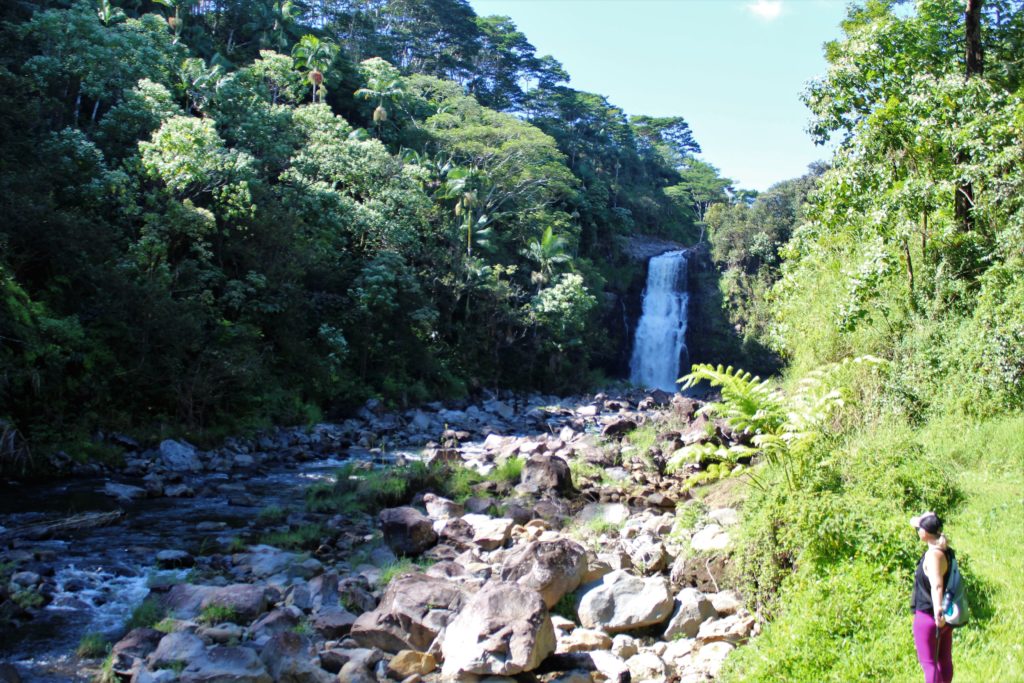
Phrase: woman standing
{"type": "Point", "coordinates": [932, 637]}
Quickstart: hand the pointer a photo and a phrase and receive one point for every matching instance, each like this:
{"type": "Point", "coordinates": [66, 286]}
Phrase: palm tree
{"type": "Point", "coordinates": [314, 56]}
{"type": "Point", "coordinates": [547, 253]}
{"type": "Point", "coordinates": [383, 84]}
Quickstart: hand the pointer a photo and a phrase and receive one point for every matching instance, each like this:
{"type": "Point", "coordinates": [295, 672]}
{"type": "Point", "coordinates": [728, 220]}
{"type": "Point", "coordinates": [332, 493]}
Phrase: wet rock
{"type": "Point", "coordinates": [291, 658]}
{"type": "Point", "coordinates": [407, 531]}
{"type": "Point", "coordinates": [222, 664]}
{"type": "Point", "coordinates": [623, 602]}
{"type": "Point", "coordinates": [179, 456]}
{"type": "Point", "coordinates": [124, 492]}
{"type": "Point", "coordinates": [411, 663]}
{"type": "Point", "coordinates": [174, 559]}
{"type": "Point", "coordinates": [546, 473]}
{"type": "Point", "coordinates": [552, 568]}
{"type": "Point", "coordinates": [692, 608]}
{"type": "Point", "coordinates": [412, 611]}
{"type": "Point", "coordinates": [504, 629]}
{"type": "Point", "coordinates": [131, 651]}
{"type": "Point", "coordinates": [179, 491]}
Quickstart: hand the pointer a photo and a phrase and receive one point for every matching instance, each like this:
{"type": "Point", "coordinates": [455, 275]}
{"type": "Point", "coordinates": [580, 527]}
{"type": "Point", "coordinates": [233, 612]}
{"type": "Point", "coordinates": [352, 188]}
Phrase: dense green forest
{"type": "Point", "coordinates": [897, 303]}
{"type": "Point", "coordinates": [222, 213]}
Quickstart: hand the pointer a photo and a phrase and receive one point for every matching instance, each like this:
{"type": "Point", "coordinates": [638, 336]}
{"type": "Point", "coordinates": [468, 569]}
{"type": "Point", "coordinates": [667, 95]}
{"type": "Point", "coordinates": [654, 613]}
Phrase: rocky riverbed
{"type": "Point", "coordinates": [591, 564]}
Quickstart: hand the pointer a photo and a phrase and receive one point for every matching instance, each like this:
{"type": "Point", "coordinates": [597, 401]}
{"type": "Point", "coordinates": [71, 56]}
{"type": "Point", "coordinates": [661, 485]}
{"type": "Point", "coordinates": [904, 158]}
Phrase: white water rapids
{"type": "Point", "coordinates": [661, 333]}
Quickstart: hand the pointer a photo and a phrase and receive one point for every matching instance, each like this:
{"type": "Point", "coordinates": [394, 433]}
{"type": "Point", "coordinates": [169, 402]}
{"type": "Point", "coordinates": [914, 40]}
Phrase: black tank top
{"type": "Point", "coordinates": [921, 598]}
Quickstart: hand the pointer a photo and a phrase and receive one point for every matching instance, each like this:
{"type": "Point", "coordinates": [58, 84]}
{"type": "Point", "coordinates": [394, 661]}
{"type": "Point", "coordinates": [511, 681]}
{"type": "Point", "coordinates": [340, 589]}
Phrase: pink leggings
{"type": "Point", "coordinates": [934, 651]}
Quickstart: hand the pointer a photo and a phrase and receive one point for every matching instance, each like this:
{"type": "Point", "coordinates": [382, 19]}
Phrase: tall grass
{"type": "Point", "coordinates": [841, 556]}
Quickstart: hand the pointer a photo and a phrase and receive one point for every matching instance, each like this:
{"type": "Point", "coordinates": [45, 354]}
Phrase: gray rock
{"type": "Point", "coordinates": [504, 630]}
{"type": "Point", "coordinates": [441, 508]}
{"type": "Point", "coordinates": [712, 537]}
{"type": "Point", "coordinates": [246, 601]}
{"type": "Point", "coordinates": [552, 568]}
{"type": "Point", "coordinates": [227, 665]}
{"type": "Point", "coordinates": [291, 658]}
{"type": "Point", "coordinates": [412, 611]}
{"type": "Point", "coordinates": [173, 559]}
{"type": "Point", "coordinates": [490, 532]}
{"type": "Point", "coordinates": [179, 456]}
{"type": "Point", "coordinates": [179, 491]}
{"type": "Point", "coordinates": [692, 609]}
{"type": "Point", "coordinates": [733, 629]}
{"type": "Point", "coordinates": [276, 621]}
{"type": "Point", "coordinates": [611, 513]}
{"type": "Point", "coordinates": [547, 473]}
{"type": "Point", "coordinates": [130, 652]}
{"type": "Point", "coordinates": [175, 648]}
{"type": "Point", "coordinates": [407, 531]}
{"type": "Point", "coordinates": [646, 667]}
{"type": "Point", "coordinates": [333, 622]}
{"type": "Point", "coordinates": [623, 602]}
{"type": "Point", "coordinates": [725, 602]}
{"type": "Point", "coordinates": [648, 554]}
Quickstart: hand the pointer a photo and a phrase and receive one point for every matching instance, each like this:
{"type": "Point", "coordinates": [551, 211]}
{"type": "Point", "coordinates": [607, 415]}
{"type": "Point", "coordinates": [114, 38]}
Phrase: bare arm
{"type": "Point", "coordinates": [933, 570]}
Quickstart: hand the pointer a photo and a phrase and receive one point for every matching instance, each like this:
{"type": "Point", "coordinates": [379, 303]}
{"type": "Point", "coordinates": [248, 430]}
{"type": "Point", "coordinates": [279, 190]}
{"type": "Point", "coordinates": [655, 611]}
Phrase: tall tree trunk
{"type": "Point", "coordinates": [964, 199]}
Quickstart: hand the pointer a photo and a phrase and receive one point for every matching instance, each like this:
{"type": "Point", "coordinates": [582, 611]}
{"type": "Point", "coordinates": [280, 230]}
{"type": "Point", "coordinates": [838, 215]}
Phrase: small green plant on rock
{"type": "Point", "coordinates": [28, 599]}
{"type": "Point", "coordinates": [566, 607]}
{"type": "Point", "coordinates": [149, 612]}
{"type": "Point", "coordinates": [217, 614]}
{"type": "Point", "coordinates": [509, 471]}
{"type": "Point", "coordinates": [305, 537]}
{"type": "Point", "coordinates": [272, 514]}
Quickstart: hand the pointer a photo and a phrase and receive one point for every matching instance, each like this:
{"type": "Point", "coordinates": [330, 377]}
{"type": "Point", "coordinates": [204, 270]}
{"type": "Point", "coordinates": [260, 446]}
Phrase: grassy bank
{"type": "Point", "coordinates": [844, 555]}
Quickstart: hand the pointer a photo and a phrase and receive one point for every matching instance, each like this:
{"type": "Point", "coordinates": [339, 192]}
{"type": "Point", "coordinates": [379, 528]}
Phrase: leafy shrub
{"type": "Point", "coordinates": [305, 537]}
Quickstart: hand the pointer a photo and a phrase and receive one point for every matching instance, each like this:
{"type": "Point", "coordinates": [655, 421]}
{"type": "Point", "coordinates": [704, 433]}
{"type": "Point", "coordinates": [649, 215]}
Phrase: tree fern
{"type": "Point", "coordinates": [783, 426]}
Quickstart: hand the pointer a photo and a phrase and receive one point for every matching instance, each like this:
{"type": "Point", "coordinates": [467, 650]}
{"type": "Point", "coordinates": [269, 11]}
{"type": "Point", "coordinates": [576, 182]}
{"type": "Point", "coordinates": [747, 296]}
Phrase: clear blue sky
{"type": "Point", "coordinates": [734, 69]}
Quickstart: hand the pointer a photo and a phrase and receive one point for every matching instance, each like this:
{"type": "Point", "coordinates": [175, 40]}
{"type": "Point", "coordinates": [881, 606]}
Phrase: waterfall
{"type": "Point", "coordinates": [661, 333]}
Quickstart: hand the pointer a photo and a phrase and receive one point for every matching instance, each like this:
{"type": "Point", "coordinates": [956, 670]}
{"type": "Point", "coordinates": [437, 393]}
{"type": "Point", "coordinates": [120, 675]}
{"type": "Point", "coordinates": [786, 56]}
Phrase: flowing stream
{"type": "Point", "coordinates": [660, 342]}
{"type": "Point", "coordinates": [103, 573]}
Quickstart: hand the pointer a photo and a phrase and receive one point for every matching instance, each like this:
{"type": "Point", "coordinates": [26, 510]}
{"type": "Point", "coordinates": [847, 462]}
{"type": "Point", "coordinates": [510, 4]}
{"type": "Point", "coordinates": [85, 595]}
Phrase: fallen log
{"type": "Point", "coordinates": [49, 528]}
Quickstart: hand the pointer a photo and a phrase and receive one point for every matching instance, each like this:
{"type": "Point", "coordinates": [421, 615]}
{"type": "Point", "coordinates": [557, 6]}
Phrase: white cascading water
{"type": "Point", "coordinates": [661, 333]}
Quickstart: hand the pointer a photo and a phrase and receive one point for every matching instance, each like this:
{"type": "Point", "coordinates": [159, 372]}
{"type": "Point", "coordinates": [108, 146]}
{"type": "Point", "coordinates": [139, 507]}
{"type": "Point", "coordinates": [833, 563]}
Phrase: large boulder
{"type": "Point", "coordinates": [290, 658]}
{"type": "Point", "coordinates": [552, 568]}
{"type": "Point", "coordinates": [623, 602]}
{"type": "Point", "coordinates": [692, 609]}
{"type": "Point", "coordinates": [246, 602]}
{"type": "Point", "coordinates": [226, 665]}
{"type": "Point", "coordinates": [546, 473]}
{"type": "Point", "coordinates": [412, 611]}
{"type": "Point", "coordinates": [407, 531]}
{"type": "Point", "coordinates": [179, 456]}
{"type": "Point", "coordinates": [503, 630]}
